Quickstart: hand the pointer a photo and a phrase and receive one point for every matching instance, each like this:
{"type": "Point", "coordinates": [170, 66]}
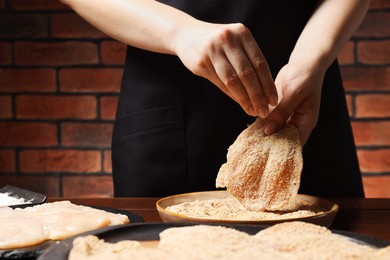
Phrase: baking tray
{"type": "Point", "coordinates": [151, 231]}
{"type": "Point", "coordinates": [32, 198]}
{"type": "Point", "coordinates": [34, 251]}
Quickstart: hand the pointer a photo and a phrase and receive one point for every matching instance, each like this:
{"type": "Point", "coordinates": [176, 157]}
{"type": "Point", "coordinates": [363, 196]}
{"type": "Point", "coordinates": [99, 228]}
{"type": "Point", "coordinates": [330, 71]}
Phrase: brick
{"type": "Point", "coordinates": [350, 100]}
{"type": "Point", "coordinates": [379, 4]}
{"type": "Point", "coordinates": [347, 54]}
{"type": "Point", "coordinates": [27, 134]}
{"type": "Point", "coordinates": [108, 105]}
{"type": "Point", "coordinates": [27, 80]}
{"type": "Point", "coordinates": [366, 78]}
{"type": "Point", "coordinates": [374, 52]}
{"type": "Point", "coordinates": [373, 106]}
{"type": "Point", "coordinates": [90, 80]}
{"type": "Point", "coordinates": [46, 5]}
{"type": "Point", "coordinates": [5, 107]}
{"type": "Point", "coordinates": [113, 52]}
{"type": "Point", "coordinates": [107, 164]}
{"type": "Point", "coordinates": [48, 185]}
{"type": "Point", "coordinates": [376, 186]}
{"type": "Point", "coordinates": [86, 134]}
{"type": "Point", "coordinates": [55, 53]}
{"type": "Point", "coordinates": [51, 160]}
{"type": "Point", "coordinates": [55, 107]}
{"type": "Point", "coordinates": [23, 26]}
{"type": "Point", "coordinates": [374, 161]}
{"type": "Point", "coordinates": [375, 24]}
{"type": "Point", "coordinates": [7, 161]}
{"type": "Point", "coordinates": [371, 133]}
{"type": "Point", "coordinates": [87, 186]}
{"type": "Point", "coordinates": [70, 25]}
{"type": "Point", "coordinates": [5, 53]}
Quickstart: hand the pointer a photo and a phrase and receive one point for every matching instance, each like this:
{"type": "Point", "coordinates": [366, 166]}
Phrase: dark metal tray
{"type": "Point", "coordinates": [151, 231]}
{"type": "Point", "coordinates": [34, 251]}
{"type": "Point", "coordinates": [33, 198]}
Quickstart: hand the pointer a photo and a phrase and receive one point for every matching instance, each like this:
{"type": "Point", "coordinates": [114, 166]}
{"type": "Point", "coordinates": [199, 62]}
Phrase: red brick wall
{"type": "Point", "coordinates": [59, 80]}
{"type": "Point", "coordinates": [365, 64]}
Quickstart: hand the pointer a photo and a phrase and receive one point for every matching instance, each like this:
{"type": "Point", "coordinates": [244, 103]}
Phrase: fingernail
{"type": "Point", "coordinates": [270, 128]}
{"type": "Point", "coordinates": [273, 100]}
{"type": "Point", "coordinates": [262, 111]}
{"type": "Point", "coordinates": [251, 111]}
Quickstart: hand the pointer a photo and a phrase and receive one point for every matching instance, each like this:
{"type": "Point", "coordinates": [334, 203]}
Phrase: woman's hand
{"type": "Point", "coordinates": [228, 56]}
{"type": "Point", "coordinates": [299, 83]}
{"type": "Point", "coordinates": [299, 88]}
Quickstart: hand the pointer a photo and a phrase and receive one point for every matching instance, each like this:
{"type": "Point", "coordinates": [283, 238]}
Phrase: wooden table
{"type": "Point", "coordinates": [364, 216]}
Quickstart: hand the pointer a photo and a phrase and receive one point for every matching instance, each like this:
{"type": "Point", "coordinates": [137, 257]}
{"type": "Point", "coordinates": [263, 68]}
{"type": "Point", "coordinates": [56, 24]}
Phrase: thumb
{"type": "Point", "coordinates": [281, 113]}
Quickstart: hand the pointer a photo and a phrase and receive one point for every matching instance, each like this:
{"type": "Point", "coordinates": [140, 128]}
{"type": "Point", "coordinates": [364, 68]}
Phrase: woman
{"type": "Point", "coordinates": [174, 123]}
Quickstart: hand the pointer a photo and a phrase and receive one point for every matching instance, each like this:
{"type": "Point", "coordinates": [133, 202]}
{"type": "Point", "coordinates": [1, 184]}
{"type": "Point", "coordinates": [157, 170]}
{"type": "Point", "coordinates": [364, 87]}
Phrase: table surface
{"type": "Point", "coordinates": [364, 216]}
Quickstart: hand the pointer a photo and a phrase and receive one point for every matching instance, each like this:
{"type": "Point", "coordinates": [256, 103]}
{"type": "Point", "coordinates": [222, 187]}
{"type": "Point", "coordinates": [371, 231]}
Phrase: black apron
{"type": "Point", "coordinates": [173, 129]}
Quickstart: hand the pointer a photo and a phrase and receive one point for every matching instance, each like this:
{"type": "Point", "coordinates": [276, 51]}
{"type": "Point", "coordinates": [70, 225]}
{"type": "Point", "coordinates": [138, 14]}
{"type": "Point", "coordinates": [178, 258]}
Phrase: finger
{"type": "Point", "coordinates": [214, 78]}
{"type": "Point", "coordinates": [245, 72]}
{"type": "Point", "coordinates": [230, 80]}
{"type": "Point", "coordinates": [248, 79]}
{"type": "Point", "coordinates": [298, 120]}
{"type": "Point", "coordinates": [305, 123]}
{"type": "Point", "coordinates": [261, 68]}
{"type": "Point", "coordinates": [280, 114]}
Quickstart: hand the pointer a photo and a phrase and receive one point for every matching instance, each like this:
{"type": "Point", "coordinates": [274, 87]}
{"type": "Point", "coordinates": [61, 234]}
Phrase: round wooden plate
{"type": "Point", "coordinates": [325, 218]}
